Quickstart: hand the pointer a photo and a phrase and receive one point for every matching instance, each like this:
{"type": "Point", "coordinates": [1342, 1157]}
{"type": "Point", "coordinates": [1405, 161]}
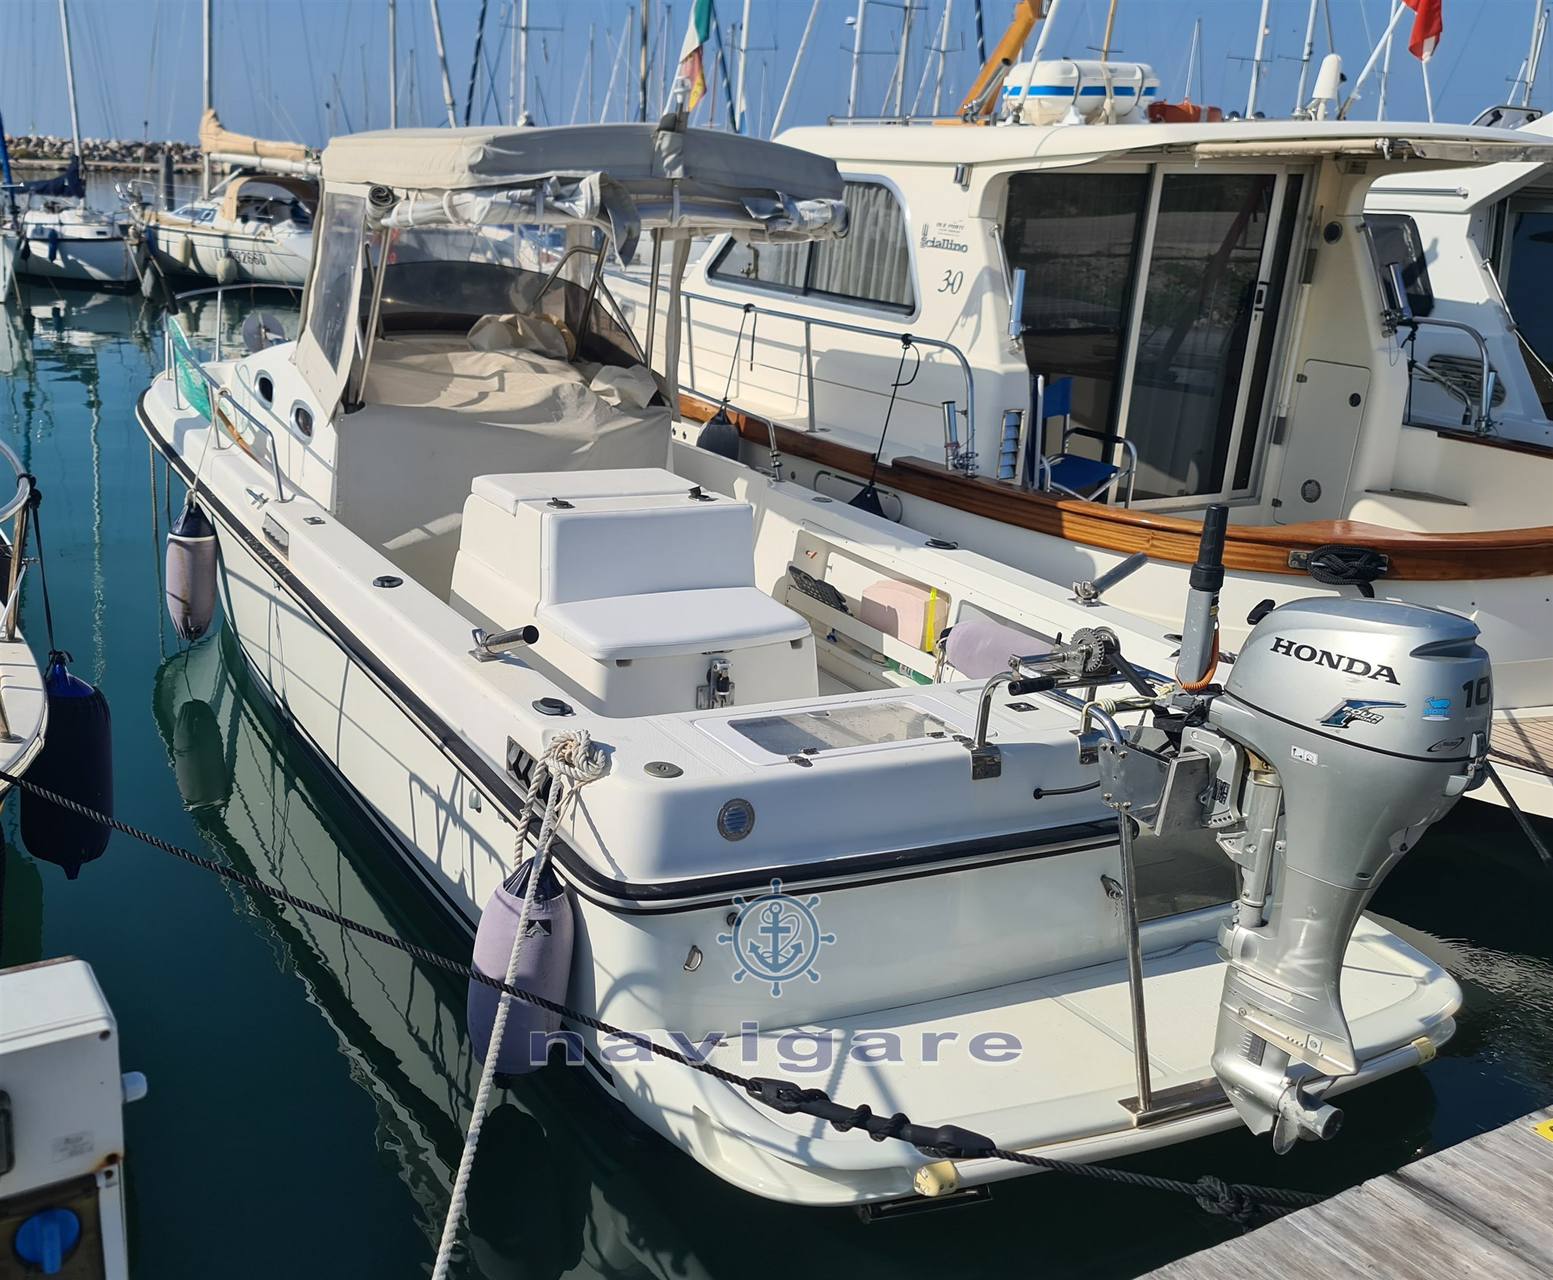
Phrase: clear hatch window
{"type": "Point", "coordinates": [859, 725]}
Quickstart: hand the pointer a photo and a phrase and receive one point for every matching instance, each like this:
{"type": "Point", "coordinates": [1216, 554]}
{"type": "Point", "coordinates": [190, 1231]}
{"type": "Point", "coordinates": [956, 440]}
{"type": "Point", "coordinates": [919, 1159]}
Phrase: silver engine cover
{"type": "Point", "coordinates": [1373, 715]}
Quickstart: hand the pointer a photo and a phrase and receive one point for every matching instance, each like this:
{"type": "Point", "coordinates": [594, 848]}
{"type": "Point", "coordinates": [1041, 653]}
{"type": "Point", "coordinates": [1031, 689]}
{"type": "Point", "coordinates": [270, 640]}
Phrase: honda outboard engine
{"type": "Point", "coordinates": [1346, 728]}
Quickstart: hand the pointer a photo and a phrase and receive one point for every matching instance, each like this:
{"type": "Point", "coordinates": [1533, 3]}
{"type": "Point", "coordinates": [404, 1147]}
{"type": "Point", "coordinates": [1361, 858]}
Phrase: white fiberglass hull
{"type": "Point", "coordinates": [300, 612]}
{"type": "Point", "coordinates": [95, 261]}
{"type": "Point", "coordinates": [254, 259]}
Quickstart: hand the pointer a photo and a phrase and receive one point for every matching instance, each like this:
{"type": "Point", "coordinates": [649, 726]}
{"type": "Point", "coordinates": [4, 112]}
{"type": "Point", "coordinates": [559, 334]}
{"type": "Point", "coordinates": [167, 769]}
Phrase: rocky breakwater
{"type": "Point", "coordinates": [106, 154]}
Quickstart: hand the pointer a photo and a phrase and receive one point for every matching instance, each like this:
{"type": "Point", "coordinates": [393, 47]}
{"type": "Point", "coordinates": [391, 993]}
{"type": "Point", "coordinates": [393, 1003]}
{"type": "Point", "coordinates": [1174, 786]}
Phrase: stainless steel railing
{"type": "Point", "coordinates": [218, 392]}
{"type": "Point", "coordinates": [966, 459]}
{"type": "Point", "coordinates": [1483, 422]}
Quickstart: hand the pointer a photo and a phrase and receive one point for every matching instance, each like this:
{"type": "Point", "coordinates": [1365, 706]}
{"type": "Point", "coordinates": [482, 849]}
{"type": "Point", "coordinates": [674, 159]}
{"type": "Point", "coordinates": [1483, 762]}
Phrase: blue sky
{"type": "Point", "coordinates": [311, 68]}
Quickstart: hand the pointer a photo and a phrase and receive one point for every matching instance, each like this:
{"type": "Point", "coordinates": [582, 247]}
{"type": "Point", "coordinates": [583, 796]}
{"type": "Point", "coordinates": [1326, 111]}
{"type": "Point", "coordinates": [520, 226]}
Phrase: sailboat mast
{"type": "Point", "coordinates": [442, 63]}
{"type": "Point", "coordinates": [208, 29]}
{"type": "Point", "coordinates": [393, 65]}
{"type": "Point", "coordinates": [1305, 57]}
{"type": "Point", "coordinates": [744, 57]}
{"type": "Point", "coordinates": [75, 119]}
{"type": "Point", "coordinates": [857, 56]}
{"type": "Point", "coordinates": [1110, 26]}
{"type": "Point", "coordinates": [523, 61]}
{"type": "Point", "coordinates": [1539, 19]}
{"type": "Point", "coordinates": [1256, 61]}
{"type": "Point", "coordinates": [907, 13]}
{"type": "Point", "coordinates": [792, 76]}
{"type": "Point", "coordinates": [944, 27]}
{"type": "Point", "coordinates": [643, 68]}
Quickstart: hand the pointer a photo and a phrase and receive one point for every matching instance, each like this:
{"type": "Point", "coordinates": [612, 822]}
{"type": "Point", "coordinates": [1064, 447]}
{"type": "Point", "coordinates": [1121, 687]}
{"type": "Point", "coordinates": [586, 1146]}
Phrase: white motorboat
{"type": "Point", "coordinates": [461, 551]}
{"type": "Point", "coordinates": [1114, 326]}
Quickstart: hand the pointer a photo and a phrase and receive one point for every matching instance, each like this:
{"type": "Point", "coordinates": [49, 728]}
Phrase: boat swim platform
{"type": "Point", "coordinates": [1478, 1209]}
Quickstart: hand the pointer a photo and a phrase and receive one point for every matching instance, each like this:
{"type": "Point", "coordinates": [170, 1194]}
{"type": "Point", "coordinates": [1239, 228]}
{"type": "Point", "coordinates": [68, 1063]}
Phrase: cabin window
{"type": "Point", "coordinates": [776, 266]}
{"type": "Point", "coordinates": [331, 313]}
{"type": "Point", "coordinates": [1076, 236]}
{"type": "Point", "coordinates": [1528, 267]}
{"type": "Point", "coordinates": [1395, 239]}
{"type": "Point", "coordinates": [870, 264]}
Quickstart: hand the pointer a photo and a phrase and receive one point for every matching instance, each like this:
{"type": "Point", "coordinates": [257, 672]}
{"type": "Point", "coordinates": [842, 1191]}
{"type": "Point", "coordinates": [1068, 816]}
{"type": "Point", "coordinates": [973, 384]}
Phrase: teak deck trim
{"type": "Point", "coordinates": [1417, 557]}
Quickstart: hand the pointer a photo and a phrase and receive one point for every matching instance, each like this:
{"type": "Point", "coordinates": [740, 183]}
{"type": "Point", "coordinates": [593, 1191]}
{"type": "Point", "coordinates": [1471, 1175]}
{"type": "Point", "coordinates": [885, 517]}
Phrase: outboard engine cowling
{"type": "Point", "coordinates": [1362, 722]}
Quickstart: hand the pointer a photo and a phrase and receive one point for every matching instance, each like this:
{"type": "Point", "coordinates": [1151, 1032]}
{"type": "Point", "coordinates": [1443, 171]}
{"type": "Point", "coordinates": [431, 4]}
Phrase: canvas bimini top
{"type": "Point", "coordinates": [624, 178]}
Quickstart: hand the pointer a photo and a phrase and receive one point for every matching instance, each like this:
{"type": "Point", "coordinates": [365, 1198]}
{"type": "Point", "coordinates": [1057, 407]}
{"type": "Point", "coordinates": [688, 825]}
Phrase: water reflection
{"type": "Point", "coordinates": [552, 1146]}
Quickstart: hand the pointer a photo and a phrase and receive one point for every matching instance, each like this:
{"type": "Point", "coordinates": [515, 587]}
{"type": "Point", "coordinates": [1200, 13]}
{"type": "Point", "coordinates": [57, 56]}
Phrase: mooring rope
{"type": "Point", "coordinates": [1235, 1200]}
{"type": "Point", "coordinates": [570, 762]}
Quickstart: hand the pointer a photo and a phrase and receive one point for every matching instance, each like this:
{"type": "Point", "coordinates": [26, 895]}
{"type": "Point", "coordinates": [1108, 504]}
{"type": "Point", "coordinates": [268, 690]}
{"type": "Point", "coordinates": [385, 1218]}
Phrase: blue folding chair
{"type": "Point", "coordinates": [1072, 473]}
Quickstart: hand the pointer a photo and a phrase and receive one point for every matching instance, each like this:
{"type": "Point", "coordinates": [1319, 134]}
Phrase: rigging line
{"type": "Point", "coordinates": [172, 98]}
{"type": "Point", "coordinates": [1214, 1195]}
{"type": "Point", "coordinates": [312, 75]}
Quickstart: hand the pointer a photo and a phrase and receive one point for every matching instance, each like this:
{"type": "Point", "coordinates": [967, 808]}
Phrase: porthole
{"type": "Point", "coordinates": [266, 386]}
{"type": "Point", "coordinates": [302, 420]}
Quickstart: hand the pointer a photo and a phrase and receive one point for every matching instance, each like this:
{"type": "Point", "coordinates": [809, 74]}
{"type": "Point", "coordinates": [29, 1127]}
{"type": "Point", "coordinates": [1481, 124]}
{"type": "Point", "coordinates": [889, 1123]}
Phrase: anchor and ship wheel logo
{"type": "Point", "coordinates": [776, 938]}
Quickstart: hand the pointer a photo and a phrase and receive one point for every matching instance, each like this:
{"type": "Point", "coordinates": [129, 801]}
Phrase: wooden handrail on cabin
{"type": "Point", "coordinates": [1415, 557]}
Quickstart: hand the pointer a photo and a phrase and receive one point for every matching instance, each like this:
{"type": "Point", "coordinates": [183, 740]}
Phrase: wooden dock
{"type": "Point", "coordinates": [1481, 1209]}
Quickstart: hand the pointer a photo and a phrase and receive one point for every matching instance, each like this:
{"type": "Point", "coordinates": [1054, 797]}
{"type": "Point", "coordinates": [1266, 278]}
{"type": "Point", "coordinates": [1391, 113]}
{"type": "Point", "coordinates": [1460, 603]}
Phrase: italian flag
{"type": "Point", "coordinates": [691, 63]}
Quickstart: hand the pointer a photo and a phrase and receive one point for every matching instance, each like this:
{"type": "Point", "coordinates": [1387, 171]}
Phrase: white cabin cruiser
{"type": "Point", "coordinates": [849, 811]}
{"type": "Point", "coordinates": [1114, 326]}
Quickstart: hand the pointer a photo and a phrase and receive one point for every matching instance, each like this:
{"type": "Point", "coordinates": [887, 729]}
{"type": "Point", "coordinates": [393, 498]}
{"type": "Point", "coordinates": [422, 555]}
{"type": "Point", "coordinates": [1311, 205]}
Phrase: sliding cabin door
{"type": "Point", "coordinates": [1526, 265]}
{"type": "Point", "coordinates": [1158, 293]}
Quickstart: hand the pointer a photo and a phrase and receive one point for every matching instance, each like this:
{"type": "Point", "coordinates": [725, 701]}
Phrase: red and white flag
{"type": "Point", "coordinates": [1428, 23]}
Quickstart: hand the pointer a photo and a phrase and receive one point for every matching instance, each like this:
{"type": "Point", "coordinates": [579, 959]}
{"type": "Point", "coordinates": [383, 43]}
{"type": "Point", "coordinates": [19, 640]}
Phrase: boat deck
{"type": "Point", "coordinates": [1481, 1205]}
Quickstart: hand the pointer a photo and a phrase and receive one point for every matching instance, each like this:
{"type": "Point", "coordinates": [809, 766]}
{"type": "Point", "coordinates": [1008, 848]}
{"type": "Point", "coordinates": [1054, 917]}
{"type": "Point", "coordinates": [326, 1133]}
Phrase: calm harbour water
{"type": "Point", "coordinates": [309, 1089]}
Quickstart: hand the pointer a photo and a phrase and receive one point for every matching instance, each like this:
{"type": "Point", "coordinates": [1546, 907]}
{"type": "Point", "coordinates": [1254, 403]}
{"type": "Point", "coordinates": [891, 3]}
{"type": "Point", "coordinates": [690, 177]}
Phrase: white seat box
{"type": "Point", "coordinates": [636, 581]}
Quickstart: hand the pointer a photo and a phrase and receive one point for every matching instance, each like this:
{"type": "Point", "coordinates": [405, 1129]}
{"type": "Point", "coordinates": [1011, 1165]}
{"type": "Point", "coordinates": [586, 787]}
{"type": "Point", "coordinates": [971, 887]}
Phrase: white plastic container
{"type": "Point", "coordinates": [1070, 90]}
{"type": "Point", "coordinates": [61, 1124]}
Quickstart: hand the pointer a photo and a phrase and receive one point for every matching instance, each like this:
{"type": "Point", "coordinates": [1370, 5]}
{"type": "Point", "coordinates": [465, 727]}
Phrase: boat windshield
{"type": "Point", "coordinates": [444, 279]}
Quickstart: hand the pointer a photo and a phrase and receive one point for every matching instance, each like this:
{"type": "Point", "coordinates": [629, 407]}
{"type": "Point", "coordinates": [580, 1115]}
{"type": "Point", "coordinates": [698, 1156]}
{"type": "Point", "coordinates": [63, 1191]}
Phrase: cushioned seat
{"type": "Point", "coordinates": [664, 624]}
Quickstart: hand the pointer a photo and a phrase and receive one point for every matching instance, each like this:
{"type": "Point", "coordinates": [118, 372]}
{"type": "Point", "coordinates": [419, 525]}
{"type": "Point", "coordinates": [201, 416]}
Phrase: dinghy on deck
{"type": "Point", "coordinates": [497, 597]}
